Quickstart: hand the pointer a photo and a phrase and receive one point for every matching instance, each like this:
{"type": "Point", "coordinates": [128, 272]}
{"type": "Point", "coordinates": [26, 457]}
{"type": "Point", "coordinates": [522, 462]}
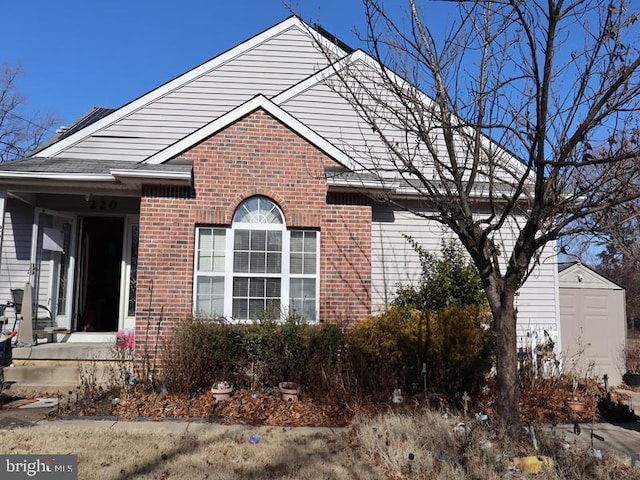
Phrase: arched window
{"type": "Point", "coordinates": [257, 268]}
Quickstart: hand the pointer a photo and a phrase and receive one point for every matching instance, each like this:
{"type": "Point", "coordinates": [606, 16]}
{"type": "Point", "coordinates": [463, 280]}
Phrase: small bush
{"type": "Point", "coordinates": [454, 344]}
{"type": "Point", "coordinates": [200, 353]}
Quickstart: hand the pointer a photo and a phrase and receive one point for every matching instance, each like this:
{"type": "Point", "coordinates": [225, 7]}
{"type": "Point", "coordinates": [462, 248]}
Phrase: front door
{"type": "Point", "coordinates": [99, 270]}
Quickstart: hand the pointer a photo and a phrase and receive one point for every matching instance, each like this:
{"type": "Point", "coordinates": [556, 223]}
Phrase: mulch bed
{"type": "Point", "coordinates": [244, 407]}
{"type": "Point", "coordinates": [544, 401]}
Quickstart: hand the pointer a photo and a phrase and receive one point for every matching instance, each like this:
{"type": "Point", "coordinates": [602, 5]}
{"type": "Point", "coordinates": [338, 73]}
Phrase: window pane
{"type": "Point", "coordinates": [205, 263]}
{"type": "Point", "coordinates": [256, 308]}
{"type": "Point", "coordinates": [309, 242]}
{"type": "Point", "coordinates": [258, 240]}
{"type": "Point", "coordinates": [296, 262]}
{"type": "Point", "coordinates": [218, 263]}
{"type": "Point", "coordinates": [295, 288]}
{"type": "Point", "coordinates": [241, 240]}
{"type": "Point", "coordinates": [274, 262]}
{"type": "Point", "coordinates": [205, 238]}
{"type": "Point", "coordinates": [241, 262]}
{"type": "Point", "coordinates": [240, 287]}
{"type": "Point", "coordinates": [273, 288]}
{"type": "Point", "coordinates": [256, 290]}
{"type": "Point", "coordinates": [210, 295]}
{"type": "Point", "coordinates": [309, 264]}
{"type": "Point", "coordinates": [257, 264]}
{"type": "Point", "coordinates": [258, 210]}
{"type": "Point", "coordinates": [309, 288]}
{"type": "Point", "coordinates": [274, 241]}
{"type": "Point", "coordinates": [303, 252]}
{"type": "Point", "coordinates": [302, 297]}
{"type": "Point", "coordinates": [211, 250]}
{"type": "Point", "coordinates": [309, 309]}
{"type": "Point", "coordinates": [297, 241]}
{"type": "Point", "coordinates": [240, 309]}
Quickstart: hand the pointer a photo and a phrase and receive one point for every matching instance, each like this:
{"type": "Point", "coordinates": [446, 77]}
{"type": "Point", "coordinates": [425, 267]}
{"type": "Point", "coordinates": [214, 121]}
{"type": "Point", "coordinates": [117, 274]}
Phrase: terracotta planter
{"type": "Point", "coordinates": [221, 391]}
{"type": "Point", "coordinates": [288, 391]}
{"type": "Point", "coordinates": [576, 405]}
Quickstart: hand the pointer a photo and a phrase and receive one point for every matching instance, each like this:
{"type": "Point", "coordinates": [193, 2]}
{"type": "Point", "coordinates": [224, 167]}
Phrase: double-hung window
{"type": "Point", "coordinates": [257, 267]}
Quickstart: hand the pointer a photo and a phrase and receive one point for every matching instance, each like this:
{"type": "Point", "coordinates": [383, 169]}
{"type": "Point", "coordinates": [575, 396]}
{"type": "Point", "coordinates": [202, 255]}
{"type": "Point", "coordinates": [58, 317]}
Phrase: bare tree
{"type": "Point", "coordinates": [520, 130]}
{"type": "Point", "coordinates": [20, 131]}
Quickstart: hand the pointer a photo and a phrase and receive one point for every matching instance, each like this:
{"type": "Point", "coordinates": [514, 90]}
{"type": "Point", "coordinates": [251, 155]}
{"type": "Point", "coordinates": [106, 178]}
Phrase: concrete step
{"type": "Point", "coordinates": [65, 351]}
{"type": "Point", "coordinates": [62, 366]}
{"type": "Point", "coordinates": [43, 375]}
{"type": "Point", "coordinates": [63, 377]}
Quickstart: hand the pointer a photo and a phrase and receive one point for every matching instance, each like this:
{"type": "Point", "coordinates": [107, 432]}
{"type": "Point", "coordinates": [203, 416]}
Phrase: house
{"type": "Point", "coordinates": [593, 322]}
{"type": "Point", "coordinates": [228, 190]}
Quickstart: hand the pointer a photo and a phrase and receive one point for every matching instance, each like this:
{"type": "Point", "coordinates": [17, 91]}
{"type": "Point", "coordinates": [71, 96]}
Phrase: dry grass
{"type": "Point", "coordinates": [391, 445]}
{"type": "Point", "coordinates": [133, 451]}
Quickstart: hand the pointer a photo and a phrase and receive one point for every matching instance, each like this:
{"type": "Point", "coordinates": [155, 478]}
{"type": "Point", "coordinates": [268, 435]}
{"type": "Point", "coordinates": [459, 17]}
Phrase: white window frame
{"type": "Point", "coordinates": [285, 276]}
{"type": "Point", "coordinates": [197, 273]}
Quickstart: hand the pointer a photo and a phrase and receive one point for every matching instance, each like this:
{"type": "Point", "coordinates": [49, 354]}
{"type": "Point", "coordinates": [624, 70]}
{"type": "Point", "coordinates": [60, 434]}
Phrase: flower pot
{"type": "Point", "coordinates": [576, 406]}
{"type": "Point", "coordinates": [288, 391]}
{"type": "Point", "coordinates": [632, 379]}
{"type": "Point", "coordinates": [221, 391]}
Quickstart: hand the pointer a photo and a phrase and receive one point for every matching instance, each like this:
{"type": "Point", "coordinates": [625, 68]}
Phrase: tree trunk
{"type": "Point", "coordinates": [507, 384]}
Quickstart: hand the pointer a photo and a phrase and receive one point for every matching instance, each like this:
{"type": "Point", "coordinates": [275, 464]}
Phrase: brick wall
{"type": "Point", "coordinates": [257, 155]}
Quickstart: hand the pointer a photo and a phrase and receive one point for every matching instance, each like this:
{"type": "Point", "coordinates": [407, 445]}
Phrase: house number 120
{"type": "Point", "coordinates": [103, 204]}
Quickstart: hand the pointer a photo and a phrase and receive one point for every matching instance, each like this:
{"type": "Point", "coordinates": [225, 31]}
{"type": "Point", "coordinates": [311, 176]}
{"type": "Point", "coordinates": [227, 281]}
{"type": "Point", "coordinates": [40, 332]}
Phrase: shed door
{"type": "Point", "coordinates": [590, 334]}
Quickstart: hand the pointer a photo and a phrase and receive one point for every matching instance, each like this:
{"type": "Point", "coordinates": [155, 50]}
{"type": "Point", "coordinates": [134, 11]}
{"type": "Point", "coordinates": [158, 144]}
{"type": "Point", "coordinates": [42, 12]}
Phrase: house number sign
{"type": "Point", "coordinates": [102, 204]}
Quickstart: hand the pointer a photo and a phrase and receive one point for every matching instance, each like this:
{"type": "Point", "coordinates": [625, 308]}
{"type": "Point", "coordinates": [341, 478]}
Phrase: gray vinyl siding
{"type": "Point", "coordinates": [268, 68]}
{"type": "Point", "coordinates": [16, 249]}
{"type": "Point", "coordinates": [329, 113]}
{"type": "Point", "coordinates": [395, 263]}
{"type": "Point", "coordinates": [332, 117]}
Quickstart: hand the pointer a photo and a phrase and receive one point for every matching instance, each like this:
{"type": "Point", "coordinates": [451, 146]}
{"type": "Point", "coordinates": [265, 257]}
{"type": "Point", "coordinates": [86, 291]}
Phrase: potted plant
{"type": "Point", "coordinates": [288, 391]}
{"type": "Point", "coordinates": [575, 404]}
{"type": "Point", "coordinates": [222, 391]}
{"type": "Point", "coordinates": [632, 363]}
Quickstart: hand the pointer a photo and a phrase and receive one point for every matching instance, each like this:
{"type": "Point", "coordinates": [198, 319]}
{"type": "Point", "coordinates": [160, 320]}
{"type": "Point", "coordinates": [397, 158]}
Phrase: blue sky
{"type": "Point", "coordinates": [79, 54]}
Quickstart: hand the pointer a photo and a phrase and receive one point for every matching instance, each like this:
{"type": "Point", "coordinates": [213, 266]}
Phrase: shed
{"type": "Point", "coordinates": [593, 322]}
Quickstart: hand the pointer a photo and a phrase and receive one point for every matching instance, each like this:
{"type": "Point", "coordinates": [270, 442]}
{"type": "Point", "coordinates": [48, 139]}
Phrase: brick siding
{"type": "Point", "coordinates": [257, 155]}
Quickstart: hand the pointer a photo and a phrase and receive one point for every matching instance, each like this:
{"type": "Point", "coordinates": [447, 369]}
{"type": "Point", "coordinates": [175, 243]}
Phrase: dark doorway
{"type": "Point", "coordinates": [99, 280]}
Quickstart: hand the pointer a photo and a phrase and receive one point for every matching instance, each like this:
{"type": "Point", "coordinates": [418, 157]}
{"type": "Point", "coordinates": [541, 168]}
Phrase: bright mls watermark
{"type": "Point", "coordinates": [46, 467]}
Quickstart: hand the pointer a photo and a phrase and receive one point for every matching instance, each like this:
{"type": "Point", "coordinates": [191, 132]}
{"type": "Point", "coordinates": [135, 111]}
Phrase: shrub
{"type": "Point", "coordinates": [262, 354]}
{"type": "Point", "coordinates": [389, 350]}
{"type": "Point", "coordinates": [200, 353]}
{"type": "Point", "coordinates": [442, 323]}
{"type": "Point", "coordinates": [448, 280]}
{"type": "Point", "coordinates": [384, 350]}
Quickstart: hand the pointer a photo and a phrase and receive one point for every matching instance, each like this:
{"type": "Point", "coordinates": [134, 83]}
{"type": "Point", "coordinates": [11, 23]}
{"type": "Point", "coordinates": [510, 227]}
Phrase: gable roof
{"type": "Point", "coordinates": [197, 73]}
{"type": "Point", "coordinates": [163, 123]}
{"type": "Point", "coordinates": [578, 275]}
